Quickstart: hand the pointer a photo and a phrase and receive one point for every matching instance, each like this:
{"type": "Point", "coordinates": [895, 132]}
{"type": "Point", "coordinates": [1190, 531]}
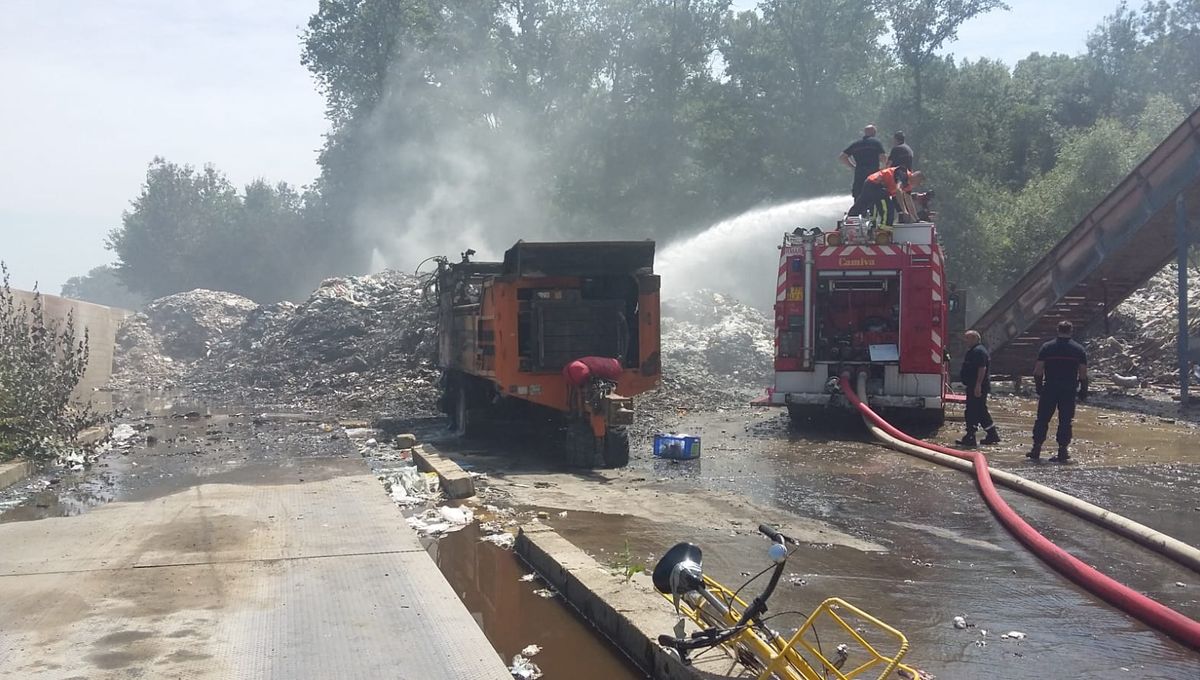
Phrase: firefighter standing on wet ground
{"type": "Point", "coordinates": [1060, 376]}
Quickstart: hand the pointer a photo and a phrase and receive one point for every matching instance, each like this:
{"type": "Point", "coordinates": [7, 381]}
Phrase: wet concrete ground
{"type": "Point", "coordinates": [182, 442]}
{"type": "Point", "coordinates": [943, 553]}
{"type": "Point", "coordinates": [907, 540]}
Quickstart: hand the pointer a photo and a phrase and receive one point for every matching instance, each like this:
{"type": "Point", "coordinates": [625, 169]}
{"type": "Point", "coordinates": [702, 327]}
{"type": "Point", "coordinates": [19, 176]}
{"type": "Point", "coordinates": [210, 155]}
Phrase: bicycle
{"type": "Point", "coordinates": [742, 629]}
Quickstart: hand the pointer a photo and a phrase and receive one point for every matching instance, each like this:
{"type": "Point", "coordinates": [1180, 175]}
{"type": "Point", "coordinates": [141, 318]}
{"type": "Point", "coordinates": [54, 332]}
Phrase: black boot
{"type": "Point", "coordinates": [967, 442]}
{"type": "Point", "coordinates": [1035, 454]}
{"type": "Point", "coordinates": [1063, 455]}
{"type": "Point", "coordinates": [993, 437]}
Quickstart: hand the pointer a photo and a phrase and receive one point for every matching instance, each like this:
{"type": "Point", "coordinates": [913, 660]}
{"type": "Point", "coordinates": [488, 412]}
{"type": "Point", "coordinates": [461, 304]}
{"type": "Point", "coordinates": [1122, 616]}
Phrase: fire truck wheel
{"type": "Point", "coordinates": [616, 448]}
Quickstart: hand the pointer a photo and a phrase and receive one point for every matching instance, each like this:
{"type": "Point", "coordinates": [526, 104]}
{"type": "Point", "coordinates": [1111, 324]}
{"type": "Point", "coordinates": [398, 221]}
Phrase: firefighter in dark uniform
{"type": "Point", "coordinates": [976, 378]}
{"type": "Point", "coordinates": [1060, 376]}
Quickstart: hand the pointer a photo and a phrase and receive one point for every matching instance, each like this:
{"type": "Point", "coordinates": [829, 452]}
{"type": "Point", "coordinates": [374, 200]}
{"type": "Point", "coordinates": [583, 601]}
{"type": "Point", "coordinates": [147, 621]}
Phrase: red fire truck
{"type": "Point", "coordinates": [868, 301]}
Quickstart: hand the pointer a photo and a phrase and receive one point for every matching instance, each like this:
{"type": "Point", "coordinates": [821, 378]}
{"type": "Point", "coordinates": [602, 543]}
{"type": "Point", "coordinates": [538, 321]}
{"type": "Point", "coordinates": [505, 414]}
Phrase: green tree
{"type": "Point", "coordinates": [165, 238]}
{"type": "Point", "coordinates": [102, 286]}
{"type": "Point", "coordinates": [1089, 166]}
{"type": "Point", "coordinates": [192, 229]}
{"type": "Point", "coordinates": [41, 363]}
{"type": "Point", "coordinates": [921, 27]}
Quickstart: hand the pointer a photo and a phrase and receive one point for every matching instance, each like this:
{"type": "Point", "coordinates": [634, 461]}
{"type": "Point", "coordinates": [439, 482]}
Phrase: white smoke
{"type": "Point", "coordinates": [738, 256]}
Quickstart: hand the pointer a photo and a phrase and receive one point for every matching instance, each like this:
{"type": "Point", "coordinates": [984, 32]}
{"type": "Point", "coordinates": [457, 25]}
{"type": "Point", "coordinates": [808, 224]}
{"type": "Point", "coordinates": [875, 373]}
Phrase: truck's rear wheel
{"type": "Point", "coordinates": [464, 411]}
{"type": "Point", "coordinates": [583, 448]}
{"type": "Point", "coordinates": [616, 447]}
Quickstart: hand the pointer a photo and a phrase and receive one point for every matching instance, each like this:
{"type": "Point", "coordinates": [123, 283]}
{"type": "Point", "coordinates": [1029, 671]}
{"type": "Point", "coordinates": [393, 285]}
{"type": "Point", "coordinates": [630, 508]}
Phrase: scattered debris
{"type": "Point", "coordinates": [960, 622]}
{"type": "Point", "coordinates": [524, 669]}
{"type": "Point", "coordinates": [408, 486]}
{"type": "Point", "coordinates": [530, 651]}
{"type": "Point", "coordinates": [527, 578]}
{"type": "Point", "coordinates": [503, 540]}
{"type": "Point", "coordinates": [544, 592]}
{"type": "Point", "coordinates": [1013, 635]}
{"type": "Point", "coordinates": [1144, 331]}
{"type": "Point", "coordinates": [440, 521]}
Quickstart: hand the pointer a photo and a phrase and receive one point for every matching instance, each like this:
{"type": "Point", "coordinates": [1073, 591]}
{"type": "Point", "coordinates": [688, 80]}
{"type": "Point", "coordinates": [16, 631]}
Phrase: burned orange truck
{"type": "Point", "coordinates": [565, 330]}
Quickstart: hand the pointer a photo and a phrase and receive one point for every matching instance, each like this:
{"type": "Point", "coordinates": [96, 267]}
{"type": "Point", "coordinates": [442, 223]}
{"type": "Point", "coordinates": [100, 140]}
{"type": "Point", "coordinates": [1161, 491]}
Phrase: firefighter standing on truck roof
{"type": "Point", "coordinates": [901, 155]}
{"type": "Point", "coordinates": [881, 192]}
{"type": "Point", "coordinates": [975, 378]}
{"type": "Point", "coordinates": [868, 156]}
{"type": "Point", "coordinates": [1060, 371]}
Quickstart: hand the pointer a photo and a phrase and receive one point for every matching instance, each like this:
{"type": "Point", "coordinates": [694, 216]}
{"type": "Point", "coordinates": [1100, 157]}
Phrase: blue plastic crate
{"type": "Point", "coordinates": [676, 446]}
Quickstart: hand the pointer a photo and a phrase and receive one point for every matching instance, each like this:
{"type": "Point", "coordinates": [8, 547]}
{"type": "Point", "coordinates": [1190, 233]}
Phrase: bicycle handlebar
{"type": "Point", "coordinates": [770, 532]}
{"type": "Point", "coordinates": [711, 637]}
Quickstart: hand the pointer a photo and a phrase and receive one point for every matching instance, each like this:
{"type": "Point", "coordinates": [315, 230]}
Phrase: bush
{"type": "Point", "coordinates": [40, 365]}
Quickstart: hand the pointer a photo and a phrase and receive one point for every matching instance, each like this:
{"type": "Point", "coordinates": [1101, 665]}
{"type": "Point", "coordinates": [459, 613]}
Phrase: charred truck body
{"type": "Point", "coordinates": [865, 301]}
{"type": "Point", "coordinates": [569, 330]}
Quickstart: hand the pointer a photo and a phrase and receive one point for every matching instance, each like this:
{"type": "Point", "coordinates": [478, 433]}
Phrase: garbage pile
{"type": "Point", "coordinates": [359, 340]}
{"type": "Point", "coordinates": [716, 353]}
{"type": "Point", "coordinates": [371, 342]}
{"type": "Point", "coordinates": [356, 341]}
{"type": "Point", "coordinates": [157, 348]}
{"type": "Point", "coordinates": [1145, 331]}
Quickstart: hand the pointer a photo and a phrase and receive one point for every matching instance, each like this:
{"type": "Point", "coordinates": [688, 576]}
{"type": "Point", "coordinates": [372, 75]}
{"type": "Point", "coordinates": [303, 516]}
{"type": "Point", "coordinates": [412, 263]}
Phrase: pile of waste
{"type": "Point", "coordinates": [371, 342]}
{"type": "Point", "coordinates": [356, 341]}
{"type": "Point", "coordinates": [158, 347]}
{"type": "Point", "coordinates": [1144, 331]}
{"type": "Point", "coordinates": [716, 352]}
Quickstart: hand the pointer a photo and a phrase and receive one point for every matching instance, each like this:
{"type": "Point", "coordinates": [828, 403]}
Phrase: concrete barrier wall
{"type": "Point", "coordinates": [101, 323]}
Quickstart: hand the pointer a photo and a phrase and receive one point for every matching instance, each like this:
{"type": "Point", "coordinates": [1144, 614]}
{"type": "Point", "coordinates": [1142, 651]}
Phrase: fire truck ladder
{"type": "Point", "coordinates": [1132, 234]}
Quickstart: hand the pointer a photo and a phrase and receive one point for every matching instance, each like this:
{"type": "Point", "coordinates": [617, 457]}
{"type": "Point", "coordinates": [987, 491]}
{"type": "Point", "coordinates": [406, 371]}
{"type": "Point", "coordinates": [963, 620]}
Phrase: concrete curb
{"type": "Point", "coordinates": [14, 472]}
{"type": "Point", "coordinates": [629, 614]}
{"type": "Point", "coordinates": [455, 481]}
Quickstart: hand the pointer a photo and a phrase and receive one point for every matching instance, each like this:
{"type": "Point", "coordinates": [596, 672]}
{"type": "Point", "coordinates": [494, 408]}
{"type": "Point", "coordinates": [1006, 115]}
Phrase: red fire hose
{"type": "Point", "coordinates": [1152, 613]}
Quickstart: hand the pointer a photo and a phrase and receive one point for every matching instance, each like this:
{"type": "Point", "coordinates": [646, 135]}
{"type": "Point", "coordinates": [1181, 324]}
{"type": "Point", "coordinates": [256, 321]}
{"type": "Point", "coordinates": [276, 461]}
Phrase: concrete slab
{"type": "Point", "coordinates": [13, 472]}
{"type": "Point", "coordinates": [456, 482]}
{"type": "Point", "coordinates": [317, 579]}
{"type": "Point", "coordinates": [630, 614]}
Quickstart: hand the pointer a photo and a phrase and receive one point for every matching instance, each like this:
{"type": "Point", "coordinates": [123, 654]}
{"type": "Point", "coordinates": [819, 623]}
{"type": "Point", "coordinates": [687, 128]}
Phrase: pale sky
{"type": "Point", "coordinates": [94, 90]}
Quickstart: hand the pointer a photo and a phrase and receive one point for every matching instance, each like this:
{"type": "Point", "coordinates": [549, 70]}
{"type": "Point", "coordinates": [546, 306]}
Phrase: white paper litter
{"type": "Point", "coordinates": [530, 651]}
{"type": "Point", "coordinates": [524, 669]}
{"type": "Point", "coordinates": [409, 486]}
{"type": "Point", "coordinates": [504, 540]}
{"type": "Point", "coordinates": [1013, 635]}
{"type": "Point", "coordinates": [443, 520]}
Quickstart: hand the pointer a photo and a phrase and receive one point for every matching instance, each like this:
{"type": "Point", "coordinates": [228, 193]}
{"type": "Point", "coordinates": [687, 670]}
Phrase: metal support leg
{"type": "Point", "coordinates": [1183, 247]}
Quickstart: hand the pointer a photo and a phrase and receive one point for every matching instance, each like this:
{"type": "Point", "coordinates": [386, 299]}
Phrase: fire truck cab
{"type": "Point", "coordinates": [866, 301]}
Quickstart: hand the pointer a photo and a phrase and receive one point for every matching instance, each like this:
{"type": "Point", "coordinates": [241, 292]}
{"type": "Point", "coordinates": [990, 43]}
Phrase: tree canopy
{"type": "Point", "coordinates": [460, 123]}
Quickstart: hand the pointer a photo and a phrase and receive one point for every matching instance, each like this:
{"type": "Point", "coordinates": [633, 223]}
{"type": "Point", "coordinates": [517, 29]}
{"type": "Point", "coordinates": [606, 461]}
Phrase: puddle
{"type": "Point", "coordinates": [512, 616]}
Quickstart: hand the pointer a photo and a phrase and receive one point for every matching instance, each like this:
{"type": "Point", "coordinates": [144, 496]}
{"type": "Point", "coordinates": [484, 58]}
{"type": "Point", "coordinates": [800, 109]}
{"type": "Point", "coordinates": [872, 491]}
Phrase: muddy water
{"type": "Point", "coordinates": [945, 554]}
{"type": "Point", "coordinates": [487, 579]}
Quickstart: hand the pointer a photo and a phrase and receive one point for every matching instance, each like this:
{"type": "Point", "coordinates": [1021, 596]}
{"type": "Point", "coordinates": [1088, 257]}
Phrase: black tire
{"type": "Point", "coordinates": [616, 447]}
{"type": "Point", "coordinates": [583, 448]}
{"type": "Point", "coordinates": [465, 413]}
